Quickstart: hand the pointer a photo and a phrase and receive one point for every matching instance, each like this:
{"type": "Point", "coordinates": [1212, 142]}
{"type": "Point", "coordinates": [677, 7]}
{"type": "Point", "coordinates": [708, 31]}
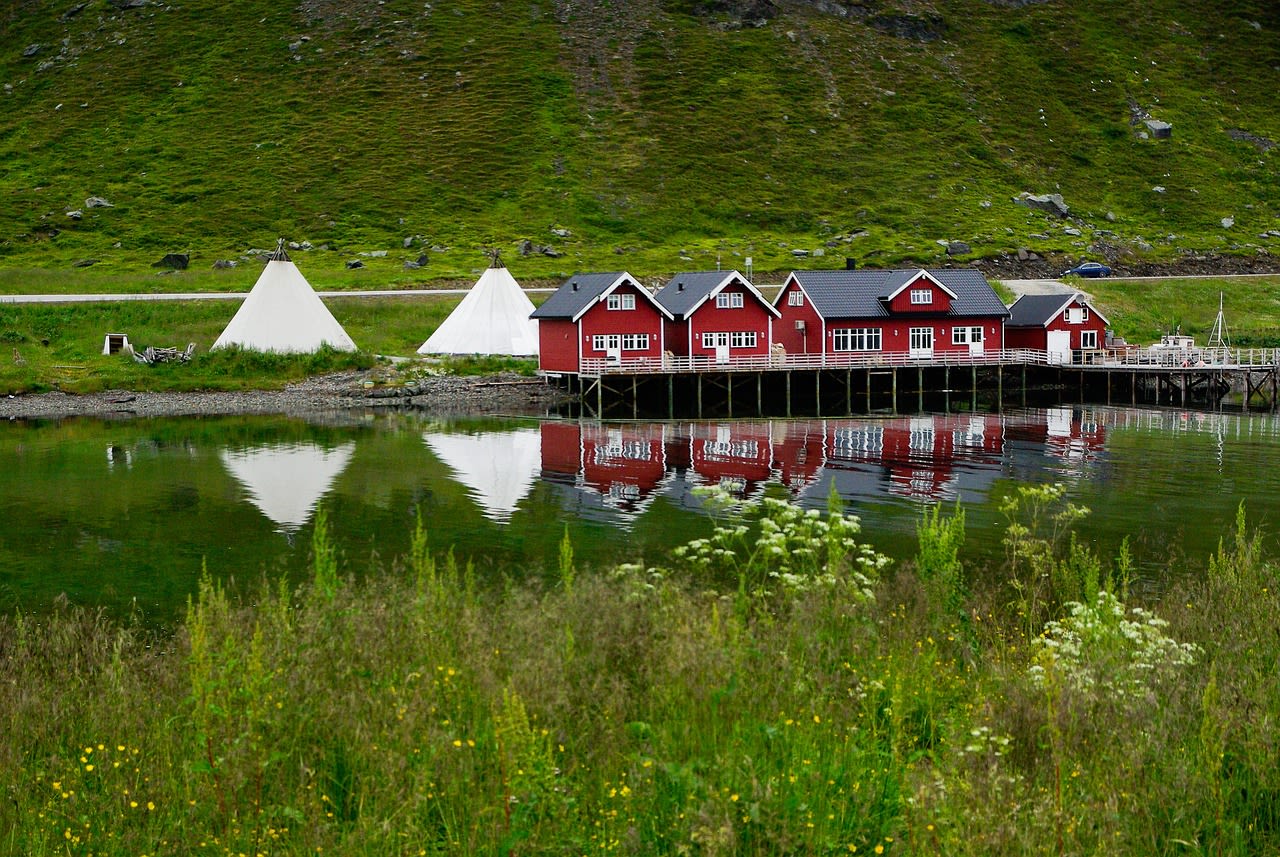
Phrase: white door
{"type": "Point", "coordinates": [1059, 346]}
{"type": "Point", "coordinates": [922, 342]}
{"type": "Point", "coordinates": [720, 342]}
{"type": "Point", "coordinates": [975, 342]}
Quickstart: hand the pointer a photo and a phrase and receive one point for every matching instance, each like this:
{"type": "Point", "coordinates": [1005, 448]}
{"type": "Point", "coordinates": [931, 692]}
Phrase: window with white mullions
{"type": "Point", "coordinates": [921, 339]}
{"type": "Point", "coordinates": [966, 335]}
{"type": "Point", "coordinates": [729, 300]}
{"type": "Point", "coordinates": [621, 302]}
{"type": "Point", "coordinates": [856, 339]}
{"type": "Point", "coordinates": [921, 296]}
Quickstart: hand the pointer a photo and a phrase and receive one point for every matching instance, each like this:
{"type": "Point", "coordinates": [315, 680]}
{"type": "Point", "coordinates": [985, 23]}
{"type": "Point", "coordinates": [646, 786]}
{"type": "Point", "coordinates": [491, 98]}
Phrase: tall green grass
{"type": "Point", "coordinates": [734, 700]}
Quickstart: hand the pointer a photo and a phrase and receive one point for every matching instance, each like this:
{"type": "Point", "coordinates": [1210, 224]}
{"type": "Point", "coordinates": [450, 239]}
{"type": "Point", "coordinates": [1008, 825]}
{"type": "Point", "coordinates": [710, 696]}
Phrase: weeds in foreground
{"type": "Point", "coordinates": [706, 707]}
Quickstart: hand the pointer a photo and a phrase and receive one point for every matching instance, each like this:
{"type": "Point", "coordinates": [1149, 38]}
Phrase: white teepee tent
{"type": "Point", "coordinates": [493, 318]}
{"type": "Point", "coordinates": [283, 313]}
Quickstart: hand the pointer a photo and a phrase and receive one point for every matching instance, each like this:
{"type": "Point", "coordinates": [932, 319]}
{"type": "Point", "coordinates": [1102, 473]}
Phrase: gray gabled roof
{"type": "Point", "coordinates": [688, 291]}
{"type": "Point", "coordinates": [576, 295]}
{"type": "Point", "coordinates": [1039, 310]}
{"type": "Point", "coordinates": [862, 293]}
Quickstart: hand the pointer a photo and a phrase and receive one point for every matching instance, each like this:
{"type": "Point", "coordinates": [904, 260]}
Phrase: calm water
{"type": "Point", "coordinates": [116, 512]}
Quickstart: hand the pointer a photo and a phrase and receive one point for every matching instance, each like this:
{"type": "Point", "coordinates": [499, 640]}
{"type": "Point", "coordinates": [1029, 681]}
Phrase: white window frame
{"type": "Point", "coordinates": [795, 298]}
{"type": "Point", "coordinates": [606, 342]}
{"type": "Point", "coordinates": [1088, 339]}
{"type": "Point", "coordinates": [742, 339]}
{"type": "Point", "coordinates": [857, 339]}
{"type": "Point", "coordinates": [916, 337]}
{"type": "Point", "coordinates": [921, 297]}
{"type": "Point", "coordinates": [635, 342]}
{"type": "Point", "coordinates": [729, 300]}
{"type": "Point", "coordinates": [966, 335]}
{"type": "Point", "coordinates": [715, 339]}
{"type": "Point", "coordinates": [621, 302]}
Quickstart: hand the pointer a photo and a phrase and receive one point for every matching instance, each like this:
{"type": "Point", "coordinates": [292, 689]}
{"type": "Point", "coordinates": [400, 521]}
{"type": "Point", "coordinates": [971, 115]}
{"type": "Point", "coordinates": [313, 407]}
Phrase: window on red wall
{"type": "Point", "coordinates": [729, 300]}
{"type": "Point", "coordinates": [796, 298]}
{"type": "Point", "coordinates": [921, 296]}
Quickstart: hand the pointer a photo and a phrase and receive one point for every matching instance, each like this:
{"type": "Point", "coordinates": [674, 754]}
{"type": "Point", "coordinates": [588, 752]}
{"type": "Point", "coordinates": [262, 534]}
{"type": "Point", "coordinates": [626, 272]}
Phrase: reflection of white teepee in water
{"type": "Point", "coordinates": [287, 481]}
{"type": "Point", "coordinates": [498, 468]}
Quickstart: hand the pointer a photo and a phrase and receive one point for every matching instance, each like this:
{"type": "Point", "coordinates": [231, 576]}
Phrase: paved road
{"type": "Point", "coordinates": [224, 296]}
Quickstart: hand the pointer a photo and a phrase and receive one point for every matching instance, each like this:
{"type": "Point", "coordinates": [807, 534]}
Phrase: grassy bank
{"type": "Point", "coordinates": [773, 689]}
{"type": "Point", "coordinates": [59, 346]}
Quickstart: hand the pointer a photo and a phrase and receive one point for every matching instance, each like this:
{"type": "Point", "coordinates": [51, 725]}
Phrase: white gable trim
{"type": "Point", "coordinates": [915, 278]}
{"type": "Point", "coordinates": [792, 278]}
{"type": "Point", "coordinates": [624, 279]}
{"type": "Point", "coordinates": [729, 279]}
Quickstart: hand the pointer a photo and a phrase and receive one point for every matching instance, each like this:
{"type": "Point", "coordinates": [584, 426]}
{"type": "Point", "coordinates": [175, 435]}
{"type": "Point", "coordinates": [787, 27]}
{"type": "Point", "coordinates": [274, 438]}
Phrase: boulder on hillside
{"type": "Point", "coordinates": [1159, 130]}
{"type": "Point", "coordinates": [1050, 202]}
{"type": "Point", "coordinates": [97, 202]}
{"type": "Point", "coordinates": [174, 261]}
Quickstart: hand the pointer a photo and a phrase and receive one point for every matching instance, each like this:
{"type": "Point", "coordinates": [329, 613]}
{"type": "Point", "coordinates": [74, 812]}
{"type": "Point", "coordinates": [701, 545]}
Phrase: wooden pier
{"type": "Point", "coordinates": [856, 383]}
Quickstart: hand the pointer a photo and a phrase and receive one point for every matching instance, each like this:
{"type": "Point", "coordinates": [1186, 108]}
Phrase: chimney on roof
{"type": "Point", "coordinates": [850, 264]}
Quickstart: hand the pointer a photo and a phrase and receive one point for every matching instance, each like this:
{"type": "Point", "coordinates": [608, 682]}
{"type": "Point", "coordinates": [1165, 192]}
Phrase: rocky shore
{"type": "Point", "coordinates": [350, 391]}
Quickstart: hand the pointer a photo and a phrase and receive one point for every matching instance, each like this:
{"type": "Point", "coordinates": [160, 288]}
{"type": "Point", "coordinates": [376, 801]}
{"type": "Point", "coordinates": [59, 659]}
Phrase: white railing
{"type": "Point", "coordinates": [1182, 358]}
{"type": "Point", "coordinates": [1101, 358]}
{"type": "Point", "coordinates": [779, 362]}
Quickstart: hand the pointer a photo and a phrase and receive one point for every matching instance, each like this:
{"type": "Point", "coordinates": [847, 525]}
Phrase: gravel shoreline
{"type": "Point", "coordinates": [348, 391]}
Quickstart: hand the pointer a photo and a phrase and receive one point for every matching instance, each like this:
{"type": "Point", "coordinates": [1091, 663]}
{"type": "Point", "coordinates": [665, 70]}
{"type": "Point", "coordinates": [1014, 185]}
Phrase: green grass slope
{"type": "Point", "coordinates": [653, 135]}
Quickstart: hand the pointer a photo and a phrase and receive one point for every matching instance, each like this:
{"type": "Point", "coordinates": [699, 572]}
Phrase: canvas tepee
{"type": "Point", "coordinates": [283, 313]}
{"type": "Point", "coordinates": [493, 318]}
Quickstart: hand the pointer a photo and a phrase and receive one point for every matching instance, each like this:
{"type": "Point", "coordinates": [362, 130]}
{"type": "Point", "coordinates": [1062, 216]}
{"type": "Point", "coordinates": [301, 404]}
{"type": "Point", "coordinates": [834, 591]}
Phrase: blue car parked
{"type": "Point", "coordinates": [1089, 269]}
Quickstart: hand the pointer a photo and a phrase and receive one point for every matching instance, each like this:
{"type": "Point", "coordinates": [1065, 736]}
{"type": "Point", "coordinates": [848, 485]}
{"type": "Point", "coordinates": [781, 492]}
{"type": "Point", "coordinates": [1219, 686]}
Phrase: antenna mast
{"type": "Point", "coordinates": [1218, 336]}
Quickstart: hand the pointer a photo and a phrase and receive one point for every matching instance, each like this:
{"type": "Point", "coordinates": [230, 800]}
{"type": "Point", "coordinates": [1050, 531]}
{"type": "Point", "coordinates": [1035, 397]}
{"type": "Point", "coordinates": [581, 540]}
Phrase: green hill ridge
{"type": "Point", "coordinates": [650, 135]}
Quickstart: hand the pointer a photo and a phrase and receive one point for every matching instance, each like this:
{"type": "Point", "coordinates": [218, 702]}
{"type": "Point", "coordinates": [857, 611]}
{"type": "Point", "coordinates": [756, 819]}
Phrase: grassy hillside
{"type": "Point", "coordinates": [653, 135]}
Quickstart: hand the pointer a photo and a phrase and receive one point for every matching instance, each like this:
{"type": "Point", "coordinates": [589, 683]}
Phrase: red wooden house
{"type": "Point", "coordinates": [717, 315]}
{"type": "Point", "coordinates": [599, 316]}
{"type": "Point", "coordinates": [1061, 325]}
{"type": "Point", "coordinates": [917, 312]}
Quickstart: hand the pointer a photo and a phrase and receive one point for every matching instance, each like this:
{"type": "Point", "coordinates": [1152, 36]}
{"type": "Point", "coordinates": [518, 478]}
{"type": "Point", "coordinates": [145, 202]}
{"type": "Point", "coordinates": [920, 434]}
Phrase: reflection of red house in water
{"type": "Point", "coordinates": [799, 451]}
{"type": "Point", "coordinates": [918, 455]}
{"type": "Point", "coordinates": [736, 456]}
{"type": "Point", "coordinates": [624, 464]}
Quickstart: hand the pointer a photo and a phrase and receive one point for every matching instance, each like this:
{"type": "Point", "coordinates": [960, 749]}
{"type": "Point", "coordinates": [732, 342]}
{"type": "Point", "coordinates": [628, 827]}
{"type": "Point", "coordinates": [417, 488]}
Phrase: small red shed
{"type": "Point", "coordinates": [1062, 325]}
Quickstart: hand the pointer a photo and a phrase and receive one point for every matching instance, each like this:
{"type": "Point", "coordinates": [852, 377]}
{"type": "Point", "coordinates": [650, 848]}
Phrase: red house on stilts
{"type": "Point", "coordinates": [716, 315]}
{"type": "Point", "coordinates": [599, 316]}
{"type": "Point", "coordinates": [919, 313]}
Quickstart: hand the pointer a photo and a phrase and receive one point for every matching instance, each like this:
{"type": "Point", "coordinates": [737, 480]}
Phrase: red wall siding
{"type": "Point", "coordinates": [1094, 323]}
{"type": "Point", "coordinates": [794, 341]}
{"type": "Point", "coordinates": [1027, 337]}
{"type": "Point", "coordinates": [751, 316]}
{"type": "Point", "coordinates": [645, 318]}
{"type": "Point", "coordinates": [896, 333]}
{"type": "Point", "coordinates": [557, 345]}
{"type": "Point", "coordinates": [677, 334]}
{"type": "Point", "coordinates": [902, 303]}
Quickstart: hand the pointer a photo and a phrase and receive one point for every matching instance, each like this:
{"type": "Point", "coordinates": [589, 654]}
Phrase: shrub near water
{"type": "Point", "coordinates": [713, 705]}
